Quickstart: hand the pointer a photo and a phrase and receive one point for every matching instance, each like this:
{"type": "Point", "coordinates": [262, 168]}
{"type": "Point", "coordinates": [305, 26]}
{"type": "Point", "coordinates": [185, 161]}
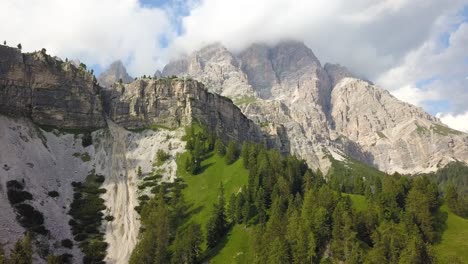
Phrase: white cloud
{"type": "Point", "coordinates": [414, 95]}
{"type": "Point", "coordinates": [96, 32]}
{"type": "Point", "coordinates": [458, 122]}
{"type": "Point", "coordinates": [368, 36]}
{"type": "Point", "coordinates": [395, 43]}
{"type": "Point", "coordinates": [446, 67]}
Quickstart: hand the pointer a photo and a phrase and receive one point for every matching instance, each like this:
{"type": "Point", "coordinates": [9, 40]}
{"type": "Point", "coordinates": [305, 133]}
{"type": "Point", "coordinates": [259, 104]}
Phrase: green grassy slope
{"type": "Point", "coordinates": [359, 201]}
{"type": "Point", "coordinates": [454, 245]}
{"type": "Point", "coordinates": [202, 189]}
{"type": "Point", "coordinates": [238, 247]}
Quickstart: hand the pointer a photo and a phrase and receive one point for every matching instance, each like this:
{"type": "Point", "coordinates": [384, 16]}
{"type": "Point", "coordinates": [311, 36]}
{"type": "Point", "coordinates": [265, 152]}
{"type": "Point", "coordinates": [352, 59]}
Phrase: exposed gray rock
{"type": "Point", "coordinates": [399, 136]}
{"type": "Point", "coordinates": [177, 102]}
{"type": "Point", "coordinates": [51, 92]}
{"type": "Point", "coordinates": [217, 68]}
{"type": "Point", "coordinates": [113, 74]}
{"type": "Point", "coordinates": [315, 111]}
{"type": "Point", "coordinates": [336, 72]}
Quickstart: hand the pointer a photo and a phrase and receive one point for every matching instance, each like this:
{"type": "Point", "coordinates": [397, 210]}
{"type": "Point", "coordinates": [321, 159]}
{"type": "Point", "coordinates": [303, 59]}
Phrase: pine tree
{"type": "Point", "coordinates": [154, 242]}
{"type": "Point", "coordinates": [139, 172]}
{"type": "Point", "coordinates": [219, 148]}
{"type": "Point", "coordinates": [231, 210]}
{"type": "Point", "coordinates": [278, 253]}
{"type": "Point", "coordinates": [187, 245]}
{"type": "Point", "coordinates": [20, 46]}
{"type": "Point", "coordinates": [232, 153]}
{"type": "Point", "coordinates": [245, 154]}
{"type": "Point", "coordinates": [217, 224]}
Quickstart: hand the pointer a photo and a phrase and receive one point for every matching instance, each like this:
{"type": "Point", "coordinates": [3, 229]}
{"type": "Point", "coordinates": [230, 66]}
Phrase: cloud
{"type": "Point", "coordinates": [459, 122]}
{"type": "Point", "coordinates": [445, 67]}
{"type": "Point", "coordinates": [395, 43]}
{"type": "Point", "coordinates": [96, 32]}
{"type": "Point", "coordinates": [414, 95]}
{"type": "Point", "coordinates": [368, 36]}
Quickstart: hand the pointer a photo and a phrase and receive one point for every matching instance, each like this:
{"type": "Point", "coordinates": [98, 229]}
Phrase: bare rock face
{"type": "Point", "coordinates": [56, 93]}
{"type": "Point", "coordinates": [50, 91]}
{"type": "Point", "coordinates": [217, 68]}
{"type": "Point", "coordinates": [177, 102]}
{"type": "Point", "coordinates": [400, 136]}
{"type": "Point", "coordinates": [113, 74]}
{"type": "Point", "coordinates": [316, 112]}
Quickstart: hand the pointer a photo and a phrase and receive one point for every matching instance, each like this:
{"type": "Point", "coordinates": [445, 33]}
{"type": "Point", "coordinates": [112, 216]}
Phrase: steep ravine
{"type": "Point", "coordinates": [41, 93]}
{"type": "Point", "coordinates": [48, 161]}
{"type": "Point", "coordinates": [119, 153]}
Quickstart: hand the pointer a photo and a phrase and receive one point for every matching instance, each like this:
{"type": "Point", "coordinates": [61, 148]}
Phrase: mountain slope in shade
{"type": "Point", "coordinates": [113, 74]}
{"type": "Point", "coordinates": [317, 111]}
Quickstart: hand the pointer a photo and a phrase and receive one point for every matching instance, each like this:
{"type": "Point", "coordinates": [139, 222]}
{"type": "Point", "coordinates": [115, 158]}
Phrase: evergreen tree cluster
{"type": "Point", "coordinates": [299, 218]}
{"type": "Point", "coordinates": [217, 226]}
{"type": "Point", "coordinates": [295, 216]}
{"type": "Point", "coordinates": [164, 238]}
{"type": "Point", "coordinates": [453, 179]}
{"type": "Point", "coordinates": [199, 143]}
{"type": "Point", "coordinates": [86, 212]}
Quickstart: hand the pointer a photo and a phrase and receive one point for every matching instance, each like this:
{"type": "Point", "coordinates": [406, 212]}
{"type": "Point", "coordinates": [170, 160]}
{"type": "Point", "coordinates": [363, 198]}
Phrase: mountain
{"type": "Point", "coordinates": [59, 130]}
{"type": "Point", "coordinates": [321, 111]}
{"type": "Point", "coordinates": [76, 158]}
{"type": "Point", "coordinates": [113, 74]}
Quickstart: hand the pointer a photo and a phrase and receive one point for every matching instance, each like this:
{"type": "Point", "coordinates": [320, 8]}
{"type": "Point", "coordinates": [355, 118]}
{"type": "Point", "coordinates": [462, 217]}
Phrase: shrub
{"type": "Point", "coordinates": [85, 157]}
{"type": "Point", "coordinates": [67, 243]}
{"type": "Point", "coordinates": [14, 184]}
{"type": "Point", "coordinates": [53, 194]}
{"type": "Point", "coordinates": [16, 197]}
{"type": "Point", "coordinates": [30, 218]}
{"type": "Point", "coordinates": [86, 140]}
{"type": "Point", "coordinates": [109, 218]}
{"type": "Point", "coordinates": [162, 156]}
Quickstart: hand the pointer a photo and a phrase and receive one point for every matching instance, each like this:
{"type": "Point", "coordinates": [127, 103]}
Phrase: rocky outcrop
{"type": "Point", "coordinates": [177, 102]}
{"type": "Point", "coordinates": [50, 91]}
{"type": "Point", "coordinates": [113, 74]}
{"type": "Point", "coordinates": [399, 136]}
{"type": "Point", "coordinates": [56, 93]}
{"type": "Point", "coordinates": [216, 67]}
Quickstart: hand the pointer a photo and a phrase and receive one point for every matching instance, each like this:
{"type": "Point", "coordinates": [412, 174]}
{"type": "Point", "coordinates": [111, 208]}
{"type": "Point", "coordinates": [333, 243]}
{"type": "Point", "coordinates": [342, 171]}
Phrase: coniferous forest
{"type": "Point", "coordinates": [295, 214]}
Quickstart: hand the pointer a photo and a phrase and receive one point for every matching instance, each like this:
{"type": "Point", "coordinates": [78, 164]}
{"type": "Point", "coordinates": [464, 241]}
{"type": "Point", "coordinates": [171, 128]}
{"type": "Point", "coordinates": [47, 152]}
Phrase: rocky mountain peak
{"type": "Point", "coordinates": [336, 72]}
{"type": "Point", "coordinates": [321, 110]}
{"type": "Point", "coordinates": [113, 74]}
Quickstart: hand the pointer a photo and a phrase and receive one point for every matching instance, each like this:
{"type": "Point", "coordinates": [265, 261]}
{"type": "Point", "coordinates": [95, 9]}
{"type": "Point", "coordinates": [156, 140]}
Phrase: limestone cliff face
{"type": "Point", "coordinates": [216, 67]}
{"type": "Point", "coordinates": [50, 91]}
{"type": "Point", "coordinates": [59, 94]}
{"type": "Point", "coordinates": [316, 112]}
{"type": "Point", "coordinates": [174, 103]}
{"type": "Point", "coordinates": [399, 136]}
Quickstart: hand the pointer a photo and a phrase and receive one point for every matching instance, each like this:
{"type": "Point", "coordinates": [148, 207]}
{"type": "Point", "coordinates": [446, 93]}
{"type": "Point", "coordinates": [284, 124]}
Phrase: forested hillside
{"type": "Point", "coordinates": [278, 210]}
